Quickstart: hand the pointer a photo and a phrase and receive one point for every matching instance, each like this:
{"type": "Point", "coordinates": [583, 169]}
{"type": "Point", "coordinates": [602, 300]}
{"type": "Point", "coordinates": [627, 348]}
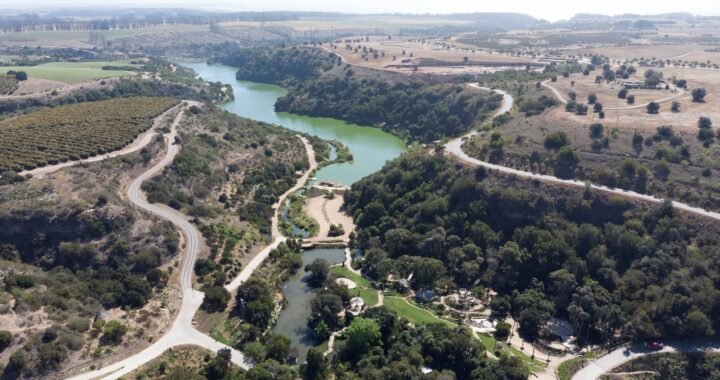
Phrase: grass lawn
{"type": "Point", "coordinates": [341, 271]}
{"type": "Point", "coordinates": [489, 342]}
{"type": "Point", "coordinates": [413, 313]}
{"type": "Point", "coordinates": [370, 295]}
{"type": "Point", "coordinates": [70, 72]}
{"type": "Point", "coordinates": [364, 289]}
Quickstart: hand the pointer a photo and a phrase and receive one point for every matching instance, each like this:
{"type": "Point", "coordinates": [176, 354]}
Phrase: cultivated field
{"type": "Point", "coordinates": [421, 56]}
{"type": "Point", "coordinates": [70, 72]}
{"type": "Point", "coordinates": [72, 132]}
{"type": "Point", "coordinates": [354, 22]}
{"type": "Point", "coordinates": [81, 39]}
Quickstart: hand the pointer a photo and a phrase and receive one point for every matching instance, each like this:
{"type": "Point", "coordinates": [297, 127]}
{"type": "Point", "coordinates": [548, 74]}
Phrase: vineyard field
{"type": "Point", "coordinates": [72, 132]}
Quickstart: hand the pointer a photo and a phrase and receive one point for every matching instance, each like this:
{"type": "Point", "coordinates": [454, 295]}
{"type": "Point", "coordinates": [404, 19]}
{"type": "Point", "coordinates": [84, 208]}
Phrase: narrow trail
{"type": "Point", "coordinates": [182, 331]}
{"type": "Point", "coordinates": [680, 92]}
{"type": "Point", "coordinates": [140, 142]}
{"type": "Point", "coordinates": [277, 236]}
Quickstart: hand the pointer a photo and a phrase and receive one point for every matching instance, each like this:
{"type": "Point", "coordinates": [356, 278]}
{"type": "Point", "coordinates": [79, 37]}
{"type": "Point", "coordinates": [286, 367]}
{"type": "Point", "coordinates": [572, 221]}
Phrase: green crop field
{"type": "Point", "coordinates": [70, 72]}
{"type": "Point", "coordinates": [76, 131]}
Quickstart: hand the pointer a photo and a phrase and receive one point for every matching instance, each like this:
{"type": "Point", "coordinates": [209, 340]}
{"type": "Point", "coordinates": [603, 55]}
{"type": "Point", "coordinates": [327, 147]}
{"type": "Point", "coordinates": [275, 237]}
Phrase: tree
{"type": "Point", "coordinates": [662, 170]}
{"type": "Point", "coordinates": [597, 107]}
{"type": "Point", "coordinates": [596, 130]}
{"type": "Point", "coordinates": [255, 351]}
{"type": "Point", "coordinates": [653, 108]}
{"type": "Point", "coordinates": [698, 95]}
{"type": "Point", "coordinates": [219, 367]}
{"type": "Point", "coordinates": [592, 98]}
{"type": "Point", "coordinates": [630, 99]}
{"type": "Point", "coordinates": [315, 367]}
{"type": "Point", "coordinates": [556, 140]}
{"type": "Point", "coordinates": [362, 335]}
{"type": "Point", "coordinates": [705, 133]}
{"type": "Point", "coordinates": [581, 109]}
{"type": "Point", "coordinates": [502, 330]}
{"type": "Point", "coordinates": [675, 107]}
{"type": "Point", "coordinates": [216, 299]}
{"type": "Point", "coordinates": [572, 95]}
{"type": "Point", "coordinates": [533, 311]}
{"type": "Point", "coordinates": [5, 340]}
{"type": "Point", "coordinates": [653, 78]}
{"type": "Point", "coordinates": [277, 347]}
{"type": "Point", "coordinates": [704, 122]}
{"type": "Point", "coordinates": [622, 94]}
{"type": "Point", "coordinates": [113, 332]}
{"type": "Point", "coordinates": [21, 75]}
{"type": "Point", "coordinates": [319, 270]}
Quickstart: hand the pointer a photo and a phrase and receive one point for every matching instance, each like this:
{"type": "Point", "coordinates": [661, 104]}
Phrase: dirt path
{"type": "Point", "coordinates": [278, 237]}
{"type": "Point", "coordinates": [680, 92]}
{"type": "Point", "coordinates": [140, 142]}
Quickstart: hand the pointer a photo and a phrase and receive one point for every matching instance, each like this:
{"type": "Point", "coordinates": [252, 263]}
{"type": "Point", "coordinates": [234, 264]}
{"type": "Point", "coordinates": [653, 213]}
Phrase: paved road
{"type": "Point", "coordinates": [455, 147]}
{"type": "Point", "coordinates": [595, 368]}
{"type": "Point", "coordinates": [617, 357]}
{"type": "Point", "coordinates": [182, 332]}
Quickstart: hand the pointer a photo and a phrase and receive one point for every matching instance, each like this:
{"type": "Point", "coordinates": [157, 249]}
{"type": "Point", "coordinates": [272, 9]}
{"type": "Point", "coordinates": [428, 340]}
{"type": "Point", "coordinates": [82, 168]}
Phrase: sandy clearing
{"type": "Point", "coordinates": [326, 212]}
{"type": "Point", "coordinates": [350, 284]}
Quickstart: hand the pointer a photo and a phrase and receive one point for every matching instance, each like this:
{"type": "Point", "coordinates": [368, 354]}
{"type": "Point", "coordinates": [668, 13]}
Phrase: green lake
{"type": "Point", "coordinates": [371, 147]}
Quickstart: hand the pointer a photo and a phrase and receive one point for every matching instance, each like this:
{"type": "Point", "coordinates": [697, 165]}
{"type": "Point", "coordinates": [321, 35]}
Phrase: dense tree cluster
{"type": "Point", "coordinates": [607, 265]}
{"type": "Point", "coordinates": [414, 110]}
{"type": "Point", "coordinates": [380, 345]}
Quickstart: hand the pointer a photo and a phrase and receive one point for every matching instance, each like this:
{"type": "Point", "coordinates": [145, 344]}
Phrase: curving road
{"type": "Point", "coordinates": [561, 98]}
{"type": "Point", "coordinates": [277, 236]}
{"type": "Point", "coordinates": [618, 357]}
{"type": "Point", "coordinates": [182, 332]}
{"type": "Point", "coordinates": [455, 147]}
{"type": "Point", "coordinates": [595, 368]}
{"type": "Point", "coordinates": [140, 142]}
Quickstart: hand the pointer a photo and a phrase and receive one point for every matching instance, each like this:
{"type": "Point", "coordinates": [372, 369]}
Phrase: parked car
{"type": "Point", "coordinates": [654, 345]}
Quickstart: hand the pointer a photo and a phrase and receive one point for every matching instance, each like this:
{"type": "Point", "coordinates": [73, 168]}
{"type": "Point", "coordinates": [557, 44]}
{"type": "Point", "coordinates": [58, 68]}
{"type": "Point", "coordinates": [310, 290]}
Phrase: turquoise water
{"type": "Point", "coordinates": [371, 147]}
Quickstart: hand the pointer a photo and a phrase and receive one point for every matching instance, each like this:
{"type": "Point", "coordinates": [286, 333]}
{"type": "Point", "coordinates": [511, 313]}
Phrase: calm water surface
{"type": "Point", "coordinates": [371, 148]}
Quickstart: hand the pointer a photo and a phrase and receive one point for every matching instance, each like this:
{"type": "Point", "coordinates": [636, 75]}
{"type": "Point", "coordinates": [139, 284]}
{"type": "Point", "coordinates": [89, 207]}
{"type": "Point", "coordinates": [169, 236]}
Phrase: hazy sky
{"type": "Point", "coordinates": [548, 9]}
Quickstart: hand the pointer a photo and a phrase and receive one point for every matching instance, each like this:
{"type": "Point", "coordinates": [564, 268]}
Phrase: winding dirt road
{"type": "Point", "coordinates": [680, 92]}
{"type": "Point", "coordinates": [182, 331]}
{"type": "Point", "coordinates": [277, 236]}
{"type": "Point", "coordinates": [140, 142]}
